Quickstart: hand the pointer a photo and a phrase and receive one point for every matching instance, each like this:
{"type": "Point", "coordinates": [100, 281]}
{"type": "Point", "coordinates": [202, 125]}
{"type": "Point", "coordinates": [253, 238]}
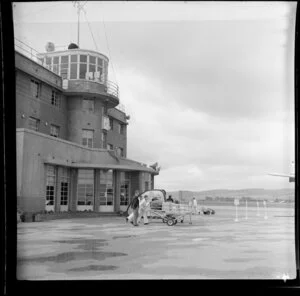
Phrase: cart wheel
{"type": "Point", "coordinates": [164, 221]}
{"type": "Point", "coordinates": [170, 222]}
{"type": "Point", "coordinates": [175, 221]}
{"type": "Point", "coordinates": [181, 221]}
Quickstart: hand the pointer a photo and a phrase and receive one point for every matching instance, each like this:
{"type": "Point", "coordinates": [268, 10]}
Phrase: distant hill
{"type": "Point", "coordinates": [255, 193]}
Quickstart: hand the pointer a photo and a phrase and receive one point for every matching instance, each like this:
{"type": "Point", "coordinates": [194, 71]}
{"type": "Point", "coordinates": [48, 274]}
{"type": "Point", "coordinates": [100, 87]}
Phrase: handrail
{"type": "Point", "coordinates": [110, 87]}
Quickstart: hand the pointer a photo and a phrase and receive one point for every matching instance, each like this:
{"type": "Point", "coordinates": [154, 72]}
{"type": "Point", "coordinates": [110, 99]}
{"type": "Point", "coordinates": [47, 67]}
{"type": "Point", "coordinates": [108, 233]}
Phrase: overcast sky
{"type": "Point", "coordinates": [209, 86]}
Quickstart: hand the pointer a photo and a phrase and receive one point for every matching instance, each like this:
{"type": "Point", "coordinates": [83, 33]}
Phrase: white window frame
{"type": "Point", "coordinates": [54, 130]}
{"type": "Point", "coordinates": [51, 176]}
{"type": "Point", "coordinates": [36, 126]}
{"type": "Point", "coordinates": [35, 88]}
{"type": "Point", "coordinates": [88, 135]}
{"type": "Point", "coordinates": [85, 184]}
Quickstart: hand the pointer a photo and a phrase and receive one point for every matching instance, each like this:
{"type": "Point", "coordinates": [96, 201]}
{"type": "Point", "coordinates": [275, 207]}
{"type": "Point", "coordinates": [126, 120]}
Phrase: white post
{"type": "Point", "coordinates": [236, 203]}
{"type": "Point", "coordinates": [257, 203]}
{"type": "Point", "coordinates": [265, 205]}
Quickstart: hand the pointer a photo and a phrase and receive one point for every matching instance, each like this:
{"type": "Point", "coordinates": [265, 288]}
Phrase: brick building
{"type": "Point", "coordinates": [71, 135]}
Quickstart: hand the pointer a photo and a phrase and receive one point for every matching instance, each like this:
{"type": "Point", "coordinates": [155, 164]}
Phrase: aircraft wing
{"type": "Point", "coordinates": [283, 175]}
{"type": "Point", "coordinates": [290, 176]}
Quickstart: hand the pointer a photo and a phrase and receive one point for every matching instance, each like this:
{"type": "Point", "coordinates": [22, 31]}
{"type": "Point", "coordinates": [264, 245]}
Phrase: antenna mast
{"type": "Point", "coordinates": [79, 8]}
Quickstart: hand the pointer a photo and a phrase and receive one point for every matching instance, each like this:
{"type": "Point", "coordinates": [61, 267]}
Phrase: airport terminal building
{"type": "Point", "coordinates": [72, 136]}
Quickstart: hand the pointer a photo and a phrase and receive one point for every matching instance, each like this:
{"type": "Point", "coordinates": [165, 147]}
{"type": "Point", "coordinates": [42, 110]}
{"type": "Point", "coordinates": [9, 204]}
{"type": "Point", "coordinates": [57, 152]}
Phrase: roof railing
{"type": "Point", "coordinates": [110, 87]}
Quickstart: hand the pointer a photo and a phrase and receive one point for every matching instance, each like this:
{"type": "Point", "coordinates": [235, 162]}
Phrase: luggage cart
{"type": "Point", "coordinates": [171, 213]}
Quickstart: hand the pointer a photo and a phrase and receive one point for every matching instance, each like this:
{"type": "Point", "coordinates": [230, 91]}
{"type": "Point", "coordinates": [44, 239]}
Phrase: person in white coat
{"type": "Point", "coordinates": [194, 206]}
{"type": "Point", "coordinates": [143, 209]}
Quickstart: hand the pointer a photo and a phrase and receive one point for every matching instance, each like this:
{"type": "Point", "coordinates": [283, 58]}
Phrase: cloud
{"type": "Point", "coordinates": [209, 91]}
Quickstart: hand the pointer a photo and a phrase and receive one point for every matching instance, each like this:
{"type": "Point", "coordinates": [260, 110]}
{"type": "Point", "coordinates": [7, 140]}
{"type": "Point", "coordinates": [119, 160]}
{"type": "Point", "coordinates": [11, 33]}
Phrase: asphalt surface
{"type": "Point", "coordinates": [212, 247]}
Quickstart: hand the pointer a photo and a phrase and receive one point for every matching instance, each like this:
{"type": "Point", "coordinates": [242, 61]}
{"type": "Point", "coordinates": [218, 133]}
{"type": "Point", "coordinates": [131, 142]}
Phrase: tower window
{"type": "Point", "coordinates": [55, 99]}
{"type": "Point", "coordinates": [87, 138]}
{"type": "Point", "coordinates": [34, 124]}
{"type": "Point", "coordinates": [54, 130]}
{"type": "Point", "coordinates": [35, 88]}
{"type": "Point", "coordinates": [88, 105]}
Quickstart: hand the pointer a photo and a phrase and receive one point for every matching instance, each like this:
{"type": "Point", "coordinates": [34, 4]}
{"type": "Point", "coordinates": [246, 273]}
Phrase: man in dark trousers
{"type": "Point", "coordinates": [133, 217]}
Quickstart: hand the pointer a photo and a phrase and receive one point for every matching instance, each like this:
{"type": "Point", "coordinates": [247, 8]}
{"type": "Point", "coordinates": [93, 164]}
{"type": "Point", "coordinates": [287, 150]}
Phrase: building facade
{"type": "Point", "coordinates": [71, 138]}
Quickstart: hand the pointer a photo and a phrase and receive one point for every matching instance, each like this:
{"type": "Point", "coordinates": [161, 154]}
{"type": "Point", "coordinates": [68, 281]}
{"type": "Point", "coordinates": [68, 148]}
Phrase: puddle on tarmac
{"type": "Point", "coordinates": [94, 268]}
{"type": "Point", "coordinates": [123, 236]}
{"type": "Point", "coordinates": [86, 244]}
{"type": "Point", "coordinates": [241, 259]}
{"type": "Point", "coordinates": [72, 256]}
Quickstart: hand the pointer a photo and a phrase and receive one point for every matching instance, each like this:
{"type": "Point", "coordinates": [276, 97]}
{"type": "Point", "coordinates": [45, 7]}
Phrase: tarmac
{"type": "Point", "coordinates": [228, 245]}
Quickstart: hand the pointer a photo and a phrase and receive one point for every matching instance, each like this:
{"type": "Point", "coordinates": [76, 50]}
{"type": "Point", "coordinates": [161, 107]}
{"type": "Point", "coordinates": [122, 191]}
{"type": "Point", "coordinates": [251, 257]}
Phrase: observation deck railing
{"type": "Point", "coordinates": [111, 87]}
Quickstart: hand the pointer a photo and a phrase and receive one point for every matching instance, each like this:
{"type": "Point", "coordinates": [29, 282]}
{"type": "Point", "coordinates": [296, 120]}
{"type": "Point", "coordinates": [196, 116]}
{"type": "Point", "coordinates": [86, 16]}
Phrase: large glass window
{"type": "Point", "coordinates": [55, 64]}
{"type": "Point", "coordinates": [106, 190]}
{"type": "Point", "coordinates": [87, 138]}
{"type": "Point", "coordinates": [73, 71]}
{"type": "Point", "coordinates": [50, 185]}
{"type": "Point", "coordinates": [83, 67]}
{"type": "Point", "coordinates": [125, 182]}
{"type": "Point", "coordinates": [85, 187]}
{"type": "Point", "coordinates": [88, 105]}
{"type": "Point", "coordinates": [105, 71]}
{"type": "Point", "coordinates": [92, 68]}
{"type": "Point", "coordinates": [48, 62]}
{"type": "Point", "coordinates": [64, 67]}
{"type": "Point", "coordinates": [64, 186]}
{"type": "Point", "coordinates": [33, 124]}
{"type": "Point", "coordinates": [99, 72]}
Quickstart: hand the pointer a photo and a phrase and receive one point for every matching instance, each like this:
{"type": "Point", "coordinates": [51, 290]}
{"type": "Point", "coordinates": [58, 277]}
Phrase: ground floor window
{"type": "Point", "coordinates": [64, 186]}
{"type": "Point", "coordinates": [50, 185]}
{"type": "Point", "coordinates": [85, 187]}
{"type": "Point", "coordinates": [125, 182]}
{"type": "Point", "coordinates": [106, 190]}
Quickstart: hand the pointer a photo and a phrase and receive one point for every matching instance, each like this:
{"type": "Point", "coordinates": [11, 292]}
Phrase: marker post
{"type": "Point", "coordinates": [236, 203]}
{"type": "Point", "coordinates": [257, 203]}
{"type": "Point", "coordinates": [266, 211]}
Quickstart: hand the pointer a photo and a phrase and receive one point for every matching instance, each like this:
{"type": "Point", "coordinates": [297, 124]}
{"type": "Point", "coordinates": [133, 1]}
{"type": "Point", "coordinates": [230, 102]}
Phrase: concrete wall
{"type": "Point", "coordinates": [116, 139]}
{"type": "Point", "coordinates": [39, 108]}
{"type": "Point", "coordinates": [36, 70]}
{"type": "Point", "coordinates": [79, 119]}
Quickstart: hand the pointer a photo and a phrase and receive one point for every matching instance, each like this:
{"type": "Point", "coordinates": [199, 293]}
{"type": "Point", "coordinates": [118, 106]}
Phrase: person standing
{"type": "Point", "coordinates": [143, 209]}
{"type": "Point", "coordinates": [170, 199]}
{"type": "Point", "coordinates": [135, 209]}
{"type": "Point", "coordinates": [195, 206]}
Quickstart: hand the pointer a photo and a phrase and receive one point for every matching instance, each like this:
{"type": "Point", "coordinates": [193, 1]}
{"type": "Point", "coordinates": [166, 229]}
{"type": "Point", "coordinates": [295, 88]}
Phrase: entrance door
{"type": "Point", "coordinates": [50, 188]}
{"type": "Point", "coordinates": [64, 189]}
{"type": "Point", "coordinates": [85, 190]}
{"type": "Point", "coordinates": [124, 191]}
{"type": "Point", "coordinates": [106, 191]}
